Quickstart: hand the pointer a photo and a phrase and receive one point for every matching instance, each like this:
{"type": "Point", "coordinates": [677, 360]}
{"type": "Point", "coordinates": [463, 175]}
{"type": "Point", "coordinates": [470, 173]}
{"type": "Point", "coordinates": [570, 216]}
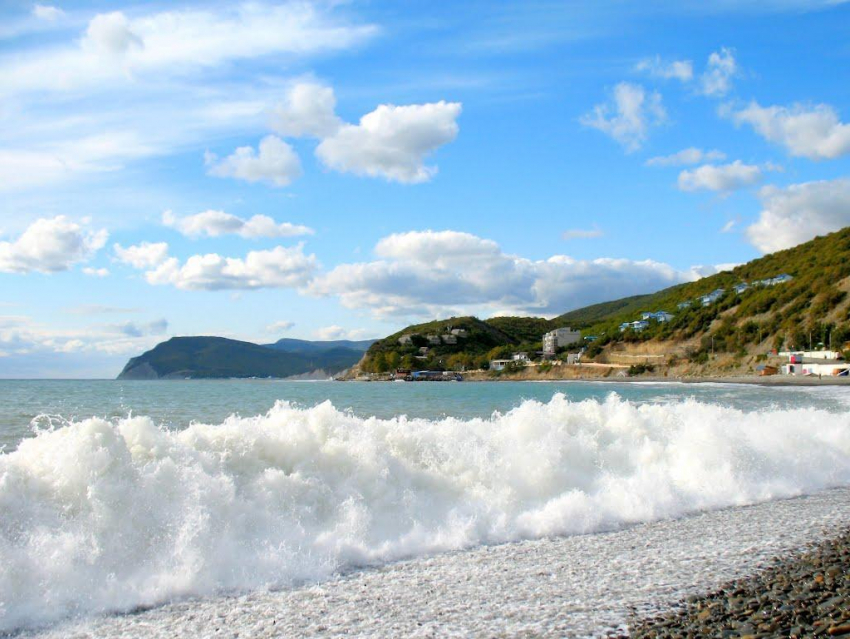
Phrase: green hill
{"type": "Point", "coordinates": [218, 357]}
{"type": "Point", "coordinates": [812, 308]}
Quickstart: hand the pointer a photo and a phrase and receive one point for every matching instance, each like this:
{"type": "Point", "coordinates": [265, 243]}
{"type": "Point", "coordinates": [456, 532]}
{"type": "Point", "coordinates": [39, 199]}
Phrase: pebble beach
{"type": "Point", "coordinates": [805, 595]}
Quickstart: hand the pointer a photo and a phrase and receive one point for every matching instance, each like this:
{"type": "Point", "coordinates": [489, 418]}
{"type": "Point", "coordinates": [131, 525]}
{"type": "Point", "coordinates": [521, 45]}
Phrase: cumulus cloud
{"type": "Point", "coordinates": [49, 245]}
{"type": "Point", "coordinates": [144, 255]}
{"type": "Point", "coordinates": [691, 155]}
{"type": "Point", "coordinates": [428, 272]}
{"type": "Point", "coordinates": [280, 267]}
{"type": "Point", "coordinates": [392, 142]}
{"type": "Point", "coordinates": [716, 81]}
{"type": "Point", "coordinates": [799, 212]}
{"type": "Point", "coordinates": [275, 162]}
{"type": "Point", "coordinates": [682, 70]}
{"type": "Point", "coordinates": [308, 110]}
{"type": "Point", "coordinates": [110, 34]}
{"type": "Point", "coordinates": [213, 223]}
{"type": "Point", "coordinates": [814, 132]}
{"type": "Point", "coordinates": [722, 177]}
{"type": "Point", "coordinates": [630, 115]}
{"type": "Point", "coordinates": [47, 12]}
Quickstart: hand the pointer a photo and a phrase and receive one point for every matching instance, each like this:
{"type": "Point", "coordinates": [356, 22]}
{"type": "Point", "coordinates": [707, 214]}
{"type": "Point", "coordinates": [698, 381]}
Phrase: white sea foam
{"type": "Point", "coordinates": [98, 515]}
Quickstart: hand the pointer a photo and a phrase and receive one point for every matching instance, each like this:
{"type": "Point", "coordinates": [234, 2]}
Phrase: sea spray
{"type": "Point", "coordinates": [98, 515]}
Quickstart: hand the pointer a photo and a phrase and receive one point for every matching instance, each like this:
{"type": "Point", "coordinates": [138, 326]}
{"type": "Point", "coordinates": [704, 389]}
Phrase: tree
{"type": "Point", "coordinates": [393, 360]}
{"type": "Point", "coordinates": [379, 363]}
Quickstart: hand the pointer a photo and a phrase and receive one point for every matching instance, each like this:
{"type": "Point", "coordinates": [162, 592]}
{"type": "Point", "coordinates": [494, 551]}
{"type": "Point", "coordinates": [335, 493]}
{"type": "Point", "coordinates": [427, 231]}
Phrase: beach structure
{"type": "Point", "coordinates": [560, 337]}
{"type": "Point", "coordinates": [814, 363]}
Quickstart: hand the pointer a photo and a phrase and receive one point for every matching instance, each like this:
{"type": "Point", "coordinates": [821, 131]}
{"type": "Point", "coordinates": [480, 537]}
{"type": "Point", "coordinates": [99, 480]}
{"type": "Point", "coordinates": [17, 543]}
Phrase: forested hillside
{"type": "Point", "coordinates": [809, 309]}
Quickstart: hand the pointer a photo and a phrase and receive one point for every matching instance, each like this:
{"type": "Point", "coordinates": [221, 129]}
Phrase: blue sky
{"type": "Point", "coordinates": [342, 169]}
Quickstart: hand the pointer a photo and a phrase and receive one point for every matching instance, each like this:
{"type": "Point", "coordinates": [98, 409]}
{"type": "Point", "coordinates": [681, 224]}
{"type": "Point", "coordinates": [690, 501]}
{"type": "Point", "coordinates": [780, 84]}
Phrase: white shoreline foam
{"type": "Point", "coordinates": [105, 516]}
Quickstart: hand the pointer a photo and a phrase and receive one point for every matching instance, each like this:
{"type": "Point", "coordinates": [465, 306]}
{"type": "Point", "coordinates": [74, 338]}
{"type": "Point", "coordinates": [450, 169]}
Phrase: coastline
{"type": "Point", "coordinates": [592, 585]}
{"type": "Point", "coordinates": [803, 595]}
{"type": "Point", "coordinates": [774, 380]}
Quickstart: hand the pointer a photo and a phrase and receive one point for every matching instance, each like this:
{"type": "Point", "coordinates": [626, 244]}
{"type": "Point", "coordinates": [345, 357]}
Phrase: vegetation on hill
{"type": "Point", "coordinates": [218, 357]}
{"type": "Point", "coordinates": [433, 346]}
{"type": "Point", "coordinates": [811, 309]}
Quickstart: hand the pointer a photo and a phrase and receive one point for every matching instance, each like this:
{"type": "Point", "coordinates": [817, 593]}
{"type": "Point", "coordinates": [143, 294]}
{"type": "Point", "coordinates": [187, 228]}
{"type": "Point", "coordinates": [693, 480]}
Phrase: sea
{"type": "Point", "coordinates": [263, 508]}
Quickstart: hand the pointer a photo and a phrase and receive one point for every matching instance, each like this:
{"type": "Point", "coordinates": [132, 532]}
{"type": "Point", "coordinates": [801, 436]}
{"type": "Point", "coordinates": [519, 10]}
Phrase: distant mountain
{"type": "Point", "coordinates": [290, 345]}
{"type": "Point", "coordinates": [219, 357]}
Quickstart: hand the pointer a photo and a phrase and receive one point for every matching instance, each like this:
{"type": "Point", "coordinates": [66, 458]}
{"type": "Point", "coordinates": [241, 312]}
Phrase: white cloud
{"type": "Point", "coordinates": [729, 226]}
{"type": "Point", "coordinates": [392, 141]}
{"type": "Point", "coordinates": [629, 117]}
{"type": "Point", "coordinates": [582, 234]}
{"type": "Point", "coordinates": [137, 329]}
{"type": "Point", "coordinates": [427, 273]}
{"type": "Point", "coordinates": [172, 43]}
{"type": "Point", "coordinates": [47, 12]}
{"type": "Point", "coordinates": [814, 132]}
{"type": "Point", "coordinates": [682, 70]}
{"type": "Point", "coordinates": [50, 245]}
{"type": "Point", "coordinates": [716, 81]}
{"type": "Point", "coordinates": [126, 87]}
{"type": "Point", "coordinates": [334, 332]}
{"type": "Point", "coordinates": [722, 177]}
{"type": "Point", "coordinates": [96, 272]}
{"type": "Point", "coordinates": [29, 341]}
{"type": "Point", "coordinates": [110, 34]}
{"type": "Point", "coordinates": [276, 163]}
{"type": "Point", "coordinates": [799, 212]}
{"type": "Point", "coordinates": [144, 255]}
{"type": "Point", "coordinates": [216, 223]}
{"type": "Point", "coordinates": [691, 155]}
{"type": "Point", "coordinates": [280, 327]}
{"type": "Point", "coordinates": [280, 267]}
{"type": "Point", "coordinates": [307, 110]}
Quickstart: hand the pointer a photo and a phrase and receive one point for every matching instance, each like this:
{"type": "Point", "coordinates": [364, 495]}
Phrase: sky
{"type": "Point", "coordinates": [332, 170]}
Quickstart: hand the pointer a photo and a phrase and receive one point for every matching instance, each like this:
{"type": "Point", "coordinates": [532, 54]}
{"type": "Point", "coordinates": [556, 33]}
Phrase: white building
{"type": "Point", "coordinates": [520, 357]}
{"type": "Point", "coordinates": [448, 338]}
{"type": "Point", "coordinates": [500, 364]}
{"type": "Point", "coordinates": [560, 337]}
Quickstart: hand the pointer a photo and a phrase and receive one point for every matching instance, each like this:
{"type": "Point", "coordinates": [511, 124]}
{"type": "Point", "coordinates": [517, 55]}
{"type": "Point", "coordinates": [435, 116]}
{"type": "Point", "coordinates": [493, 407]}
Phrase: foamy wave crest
{"type": "Point", "coordinates": [100, 515]}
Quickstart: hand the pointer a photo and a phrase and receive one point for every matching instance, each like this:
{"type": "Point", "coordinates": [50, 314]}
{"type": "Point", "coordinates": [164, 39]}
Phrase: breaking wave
{"type": "Point", "coordinates": [101, 515]}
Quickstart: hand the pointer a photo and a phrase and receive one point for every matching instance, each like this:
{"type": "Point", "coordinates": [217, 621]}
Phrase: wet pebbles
{"type": "Point", "coordinates": [807, 595]}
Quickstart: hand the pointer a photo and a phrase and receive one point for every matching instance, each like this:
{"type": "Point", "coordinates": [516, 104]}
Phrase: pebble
{"type": "Point", "coordinates": [807, 595]}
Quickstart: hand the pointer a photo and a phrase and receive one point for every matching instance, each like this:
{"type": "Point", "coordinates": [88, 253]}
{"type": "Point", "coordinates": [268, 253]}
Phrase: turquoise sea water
{"type": "Point", "coordinates": [29, 404]}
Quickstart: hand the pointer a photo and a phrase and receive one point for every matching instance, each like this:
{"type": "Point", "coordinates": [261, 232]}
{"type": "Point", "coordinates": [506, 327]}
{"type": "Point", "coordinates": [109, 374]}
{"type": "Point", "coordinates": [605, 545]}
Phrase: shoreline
{"type": "Point", "coordinates": [775, 380]}
{"type": "Point", "coordinates": [802, 595]}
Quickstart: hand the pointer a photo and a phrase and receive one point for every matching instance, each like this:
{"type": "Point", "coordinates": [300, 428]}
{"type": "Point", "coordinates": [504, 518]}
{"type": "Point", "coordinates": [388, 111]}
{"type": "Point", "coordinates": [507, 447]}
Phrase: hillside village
{"type": "Point", "coordinates": [787, 313]}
